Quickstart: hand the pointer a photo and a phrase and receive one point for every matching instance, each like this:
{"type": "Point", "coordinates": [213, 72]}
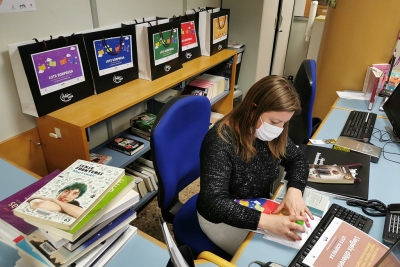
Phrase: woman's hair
{"type": "Point", "coordinates": [271, 93]}
{"type": "Point", "coordinates": [80, 186]}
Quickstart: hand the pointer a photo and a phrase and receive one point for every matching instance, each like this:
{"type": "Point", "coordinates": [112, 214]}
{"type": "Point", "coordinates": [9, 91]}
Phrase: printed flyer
{"type": "Point", "coordinates": [188, 35]}
{"type": "Point", "coordinates": [58, 68]}
{"type": "Point", "coordinates": [166, 46]}
{"type": "Point", "coordinates": [220, 29]}
{"type": "Point", "coordinates": [113, 54]}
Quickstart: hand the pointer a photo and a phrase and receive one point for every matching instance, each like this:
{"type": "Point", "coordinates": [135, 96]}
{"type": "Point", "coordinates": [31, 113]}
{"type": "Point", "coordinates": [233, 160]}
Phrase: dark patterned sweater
{"type": "Point", "coordinates": [225, 176]}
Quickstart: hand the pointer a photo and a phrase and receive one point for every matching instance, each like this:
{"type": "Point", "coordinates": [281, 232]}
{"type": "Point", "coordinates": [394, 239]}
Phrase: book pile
{"type": "Point", "coordinates": [78, 217]}
{"type": "Point", "coordinates": [207, 85]}
{"type": "Point", "coordinates": [126, 145]}
{"type": "Point", "coordinates": [145, 176]}
{"type": "Point", "coordinates": [141, 124]}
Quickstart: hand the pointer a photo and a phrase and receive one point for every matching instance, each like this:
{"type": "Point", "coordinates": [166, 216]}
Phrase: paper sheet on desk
{"type": "Point", "coordinates": [297, 244]}
{"type": "Point", "coordinates": [351, 95]}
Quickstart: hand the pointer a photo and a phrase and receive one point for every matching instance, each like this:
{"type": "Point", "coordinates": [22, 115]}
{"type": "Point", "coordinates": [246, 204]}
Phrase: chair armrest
{"type": "Point", "coordinates": [206, 255]}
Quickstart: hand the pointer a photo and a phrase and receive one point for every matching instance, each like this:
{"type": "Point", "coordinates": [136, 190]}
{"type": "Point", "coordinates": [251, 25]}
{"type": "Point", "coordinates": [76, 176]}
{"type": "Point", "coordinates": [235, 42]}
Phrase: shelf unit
{"type": "Point", "coordinates": [74, 119]}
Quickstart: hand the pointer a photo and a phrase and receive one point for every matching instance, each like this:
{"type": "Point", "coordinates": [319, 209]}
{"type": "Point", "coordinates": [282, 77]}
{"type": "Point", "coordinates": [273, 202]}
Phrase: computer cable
{"type": "Point", "coordinates": [372, 207]}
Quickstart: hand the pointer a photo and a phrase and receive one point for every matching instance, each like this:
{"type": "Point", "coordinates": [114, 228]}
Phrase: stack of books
{"type": "Point", "coordinates": [78, 217]}
{"type": "Point", "coordinates": [142, 123]}
{"type": "Point", "coordinates": [207, 85]}
{"type": "Point", "coordinates": [146, 178]}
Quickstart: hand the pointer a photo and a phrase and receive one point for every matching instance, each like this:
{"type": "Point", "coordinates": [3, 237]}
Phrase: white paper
{"type": "Point", "coordinates": [10, 6]}
{"type": "Point", "coordinates": [351, 95]}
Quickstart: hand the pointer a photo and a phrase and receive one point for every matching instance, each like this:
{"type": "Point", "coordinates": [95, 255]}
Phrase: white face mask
{"type": "Point", "coordinates": [268, 132]}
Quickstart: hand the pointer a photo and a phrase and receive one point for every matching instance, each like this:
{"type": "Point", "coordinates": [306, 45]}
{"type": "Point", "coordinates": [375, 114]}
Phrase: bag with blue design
{"type": "Point", "coordinates": [158, 46]}
{"type": "Point", "coordinates": [112, 56]}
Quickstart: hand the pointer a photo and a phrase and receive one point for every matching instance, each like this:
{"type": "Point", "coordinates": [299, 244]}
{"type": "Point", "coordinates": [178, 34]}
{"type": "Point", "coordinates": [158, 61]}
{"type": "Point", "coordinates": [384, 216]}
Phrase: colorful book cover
{"type": "Point", "coordinates": [344, 245]}
{"type": "Point", "coordinates": [98, 213]}
{"type": "Point", "coordinates": [144, 122]}
{"type": "Point", "coordinates": [62, 257]}
{"type": "Point", "coordinates": [7, 205]}
{"type": "Point", "coordinates": [70, 196]}
{"type": "Point", "coordinates": [166, 46]}
{"type": "Point", "coordinates": [330, 174]}
{"type": "Point", "coordinates": [264, 205]}
{"type": "Point", "coordinates": [99, 158]}
{"type": "Point", "coordinates": [126, 145]}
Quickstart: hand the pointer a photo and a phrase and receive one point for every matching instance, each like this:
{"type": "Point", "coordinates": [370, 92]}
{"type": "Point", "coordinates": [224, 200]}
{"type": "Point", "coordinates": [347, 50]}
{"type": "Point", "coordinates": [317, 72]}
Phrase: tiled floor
{"type": "Point", "coordinates": [147, 218]}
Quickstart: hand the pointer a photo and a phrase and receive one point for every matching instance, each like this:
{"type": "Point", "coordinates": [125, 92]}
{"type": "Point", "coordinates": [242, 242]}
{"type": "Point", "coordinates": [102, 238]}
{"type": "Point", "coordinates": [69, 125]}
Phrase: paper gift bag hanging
{"type": "Point", "coordinates": [190, 47]}
{"type": "Point", "coordinates": [213, 30]}
{"type": "Point", "coordinates": [112, 57]}
{"type": "Point", "coordinates": [158, 45]}
{"type": "Point", "coordinates": [57, 74]}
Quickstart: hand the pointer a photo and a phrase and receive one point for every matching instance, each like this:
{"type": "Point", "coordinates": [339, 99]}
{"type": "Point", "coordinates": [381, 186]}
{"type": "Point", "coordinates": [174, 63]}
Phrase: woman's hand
{"type": "Point", "coordinates": [282, 225]}
{"type": "Point", "coordinates": [294, 204]}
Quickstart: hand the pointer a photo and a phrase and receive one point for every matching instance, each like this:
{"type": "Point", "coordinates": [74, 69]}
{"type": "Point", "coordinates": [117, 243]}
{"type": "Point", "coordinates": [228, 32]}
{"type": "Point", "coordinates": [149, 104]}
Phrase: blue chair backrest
{"type": "Point", "coordinates": [175, 141]}
{"type": "Point", "coordinates": [300, 126]}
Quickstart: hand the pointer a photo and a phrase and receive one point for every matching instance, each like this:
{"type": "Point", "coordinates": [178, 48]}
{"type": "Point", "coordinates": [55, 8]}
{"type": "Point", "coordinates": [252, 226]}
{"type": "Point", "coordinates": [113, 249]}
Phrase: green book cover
{"type": "Point", "coordinates": [144, 122]}
{"type": "Point", "coordinates": [115, 191]}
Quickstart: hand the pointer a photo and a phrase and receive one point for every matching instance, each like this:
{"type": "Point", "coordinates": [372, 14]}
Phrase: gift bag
{"type": "Point", "coordinates": [57, 74]}
{"type": "Point", "coordinates": [112, 57]}
{"type": "Point", "coordinates": [213, 30]}
{"type": "Point", "coordinates": [158, 45]}
{"type": "Point", "coordinates": [190, 48]}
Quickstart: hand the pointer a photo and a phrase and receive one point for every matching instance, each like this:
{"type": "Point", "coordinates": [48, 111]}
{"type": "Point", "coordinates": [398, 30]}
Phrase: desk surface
{"type": "Point", "coordinates": [384, 185]}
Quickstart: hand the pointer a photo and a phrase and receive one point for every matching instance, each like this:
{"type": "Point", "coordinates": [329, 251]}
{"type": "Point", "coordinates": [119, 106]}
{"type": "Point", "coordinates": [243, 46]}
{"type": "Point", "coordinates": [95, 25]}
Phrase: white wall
{"type": "Point", "coordinates": [55, 18]}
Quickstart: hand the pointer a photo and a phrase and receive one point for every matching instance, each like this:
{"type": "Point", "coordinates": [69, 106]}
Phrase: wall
{"type": "Point", "coordinates": [55, 18]}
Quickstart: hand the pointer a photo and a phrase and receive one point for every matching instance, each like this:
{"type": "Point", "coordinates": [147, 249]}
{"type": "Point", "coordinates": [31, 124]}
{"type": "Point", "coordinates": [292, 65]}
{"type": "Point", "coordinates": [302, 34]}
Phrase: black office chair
{"type": "Point", "coordinates": [175, 141]}
{"type": "Point", "coordinates": [302, 126]}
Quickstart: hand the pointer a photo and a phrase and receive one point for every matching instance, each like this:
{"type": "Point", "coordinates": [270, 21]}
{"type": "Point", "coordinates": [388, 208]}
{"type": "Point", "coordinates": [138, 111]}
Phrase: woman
{"type": "Point", "coordinates": [240, 158]}
{"type": "Point", "coordinates": [65, 201]}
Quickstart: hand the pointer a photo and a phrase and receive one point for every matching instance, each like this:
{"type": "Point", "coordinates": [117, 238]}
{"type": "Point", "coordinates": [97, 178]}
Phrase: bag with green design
{"type": "Point", "coordinates": [158, 46]}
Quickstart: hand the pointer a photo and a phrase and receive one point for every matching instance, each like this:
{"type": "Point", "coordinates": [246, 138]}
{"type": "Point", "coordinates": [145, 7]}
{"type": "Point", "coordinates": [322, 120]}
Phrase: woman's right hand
{"type": "Point", "coordinates": [282, 225]}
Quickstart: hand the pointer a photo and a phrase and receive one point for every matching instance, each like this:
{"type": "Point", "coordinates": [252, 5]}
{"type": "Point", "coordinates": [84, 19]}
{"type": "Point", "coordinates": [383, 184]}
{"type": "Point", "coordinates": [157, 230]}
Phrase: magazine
{"type": "Point", "coordinates": [330, 174]}
{"type": "Point", "coordinates": [67, 198]}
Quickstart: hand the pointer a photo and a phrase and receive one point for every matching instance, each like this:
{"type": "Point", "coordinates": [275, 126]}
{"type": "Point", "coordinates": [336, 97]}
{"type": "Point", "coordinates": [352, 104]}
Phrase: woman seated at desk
{"type": "Point", "coordinates": [240, 158]}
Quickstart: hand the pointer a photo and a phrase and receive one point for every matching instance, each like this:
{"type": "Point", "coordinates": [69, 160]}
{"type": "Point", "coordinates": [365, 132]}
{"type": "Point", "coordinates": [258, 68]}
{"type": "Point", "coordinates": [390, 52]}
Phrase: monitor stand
{"type": "Point", "coordinates": [394, 137]}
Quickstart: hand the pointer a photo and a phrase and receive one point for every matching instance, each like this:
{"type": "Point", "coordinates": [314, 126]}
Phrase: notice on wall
{"type": "Point", "coordinates": [10, 6]}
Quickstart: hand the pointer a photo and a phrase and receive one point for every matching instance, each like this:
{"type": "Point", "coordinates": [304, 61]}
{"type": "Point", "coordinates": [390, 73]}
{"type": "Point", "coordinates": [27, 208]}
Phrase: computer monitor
{"type": "Point", "coordinates": [392, 109]}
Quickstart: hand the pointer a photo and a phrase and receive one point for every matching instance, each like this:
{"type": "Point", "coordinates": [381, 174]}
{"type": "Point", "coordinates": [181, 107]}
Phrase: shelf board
{"type": "Point", "coordinates": [120, 159]}
{"type": "Point", "coordinates": [219, 97]}
{"type": "Point", "coordinates": [96, 108]}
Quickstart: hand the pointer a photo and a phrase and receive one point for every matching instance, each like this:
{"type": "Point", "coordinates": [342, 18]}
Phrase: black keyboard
{"type": "Point", "coordinates": [357, 220]}
{"type": "Point", "coordinates": [359, 125]}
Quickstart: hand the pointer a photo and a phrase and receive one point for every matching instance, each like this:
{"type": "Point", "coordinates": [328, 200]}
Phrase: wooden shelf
{"type": "Point", "coordinates": [120, 159]}
{"type": "Point", "coordinates": [74, 119]}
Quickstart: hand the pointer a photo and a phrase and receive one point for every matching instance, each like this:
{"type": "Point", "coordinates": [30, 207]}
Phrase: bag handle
{"type": "Point", "coordinates": [170, 38]}
{"type": "Point", "coordinates": [219, 23]}
{"type": "Point", "coordinates": [44, 42]}
{"type": "Point", "coordinates": [65, 39]}
{"type": "Point", "coordinates": [108, 48]}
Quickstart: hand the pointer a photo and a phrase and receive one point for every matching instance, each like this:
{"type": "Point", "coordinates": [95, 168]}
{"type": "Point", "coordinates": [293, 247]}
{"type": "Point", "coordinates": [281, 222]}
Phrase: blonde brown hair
{"type": "Point", "coordinates": [271, 93]}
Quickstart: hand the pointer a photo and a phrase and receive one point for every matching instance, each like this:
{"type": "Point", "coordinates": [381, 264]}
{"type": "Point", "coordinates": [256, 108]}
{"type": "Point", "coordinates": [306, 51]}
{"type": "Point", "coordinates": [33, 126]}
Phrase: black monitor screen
{"type": "Point", "coordinates": [392, 109]}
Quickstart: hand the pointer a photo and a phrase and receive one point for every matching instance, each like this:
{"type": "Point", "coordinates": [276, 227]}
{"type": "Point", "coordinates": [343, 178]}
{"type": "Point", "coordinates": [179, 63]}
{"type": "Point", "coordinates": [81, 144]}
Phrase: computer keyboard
{"type": "Point", "coordinates": [359, 125]}
{"type": "Point", "coordinates": [357, 220]}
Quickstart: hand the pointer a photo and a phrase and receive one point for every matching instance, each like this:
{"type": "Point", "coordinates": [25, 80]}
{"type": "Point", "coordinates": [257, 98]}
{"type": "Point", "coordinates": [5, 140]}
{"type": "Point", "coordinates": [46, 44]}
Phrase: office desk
{"type": "Point", "coordinates": [383, 185]}
{"type": "Point", "coordinates": [352, 104]}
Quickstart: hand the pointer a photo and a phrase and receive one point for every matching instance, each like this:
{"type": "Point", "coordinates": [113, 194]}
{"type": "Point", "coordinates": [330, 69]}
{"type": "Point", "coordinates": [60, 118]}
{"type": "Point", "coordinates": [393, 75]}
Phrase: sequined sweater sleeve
{"type": "Point", "coordinates": [225, 177]}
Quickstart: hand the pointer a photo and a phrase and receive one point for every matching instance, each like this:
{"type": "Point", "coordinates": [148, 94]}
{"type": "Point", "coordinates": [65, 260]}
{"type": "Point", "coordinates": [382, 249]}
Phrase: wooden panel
{"type": "Point", "coordinates": [96, 108]}
{"type": "Point", "coordinates": [355, 36]}
{"type": "Point", "coordinates": [24, 153]}
{"type": "Point", "coordinates": [62, 152]}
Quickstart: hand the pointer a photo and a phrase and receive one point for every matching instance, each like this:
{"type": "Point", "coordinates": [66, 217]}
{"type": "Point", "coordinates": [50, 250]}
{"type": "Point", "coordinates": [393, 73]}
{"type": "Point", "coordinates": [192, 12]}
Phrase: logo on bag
{"type": "Point", "coordinates": [167, 68]}
{"type": "Point", "coordinates": [188, 55]}
{"type": "Point", "coordinates": [219, 47]}
{"type": "Point", "coordinates": [66, 97]}
{"type": "Point", "coordinates": [117, 79]}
